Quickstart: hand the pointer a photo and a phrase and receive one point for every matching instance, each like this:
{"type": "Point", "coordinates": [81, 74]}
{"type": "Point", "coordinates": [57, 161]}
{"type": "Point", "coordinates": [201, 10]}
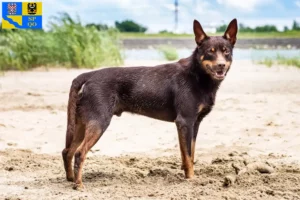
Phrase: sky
{"type": "Point", "coordinates": [158, 15]}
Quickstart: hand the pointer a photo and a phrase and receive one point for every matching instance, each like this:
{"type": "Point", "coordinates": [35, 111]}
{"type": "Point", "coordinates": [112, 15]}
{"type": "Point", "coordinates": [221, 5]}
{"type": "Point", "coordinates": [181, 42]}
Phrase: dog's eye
{"type": "Point", "coordinates": [226, 51]}
{"type": "Point", "coordinates": [211, 51]}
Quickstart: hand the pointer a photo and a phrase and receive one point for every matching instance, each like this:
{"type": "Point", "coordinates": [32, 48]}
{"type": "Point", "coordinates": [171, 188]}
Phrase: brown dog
{"type": "Point", "coordinates": [183, 92]}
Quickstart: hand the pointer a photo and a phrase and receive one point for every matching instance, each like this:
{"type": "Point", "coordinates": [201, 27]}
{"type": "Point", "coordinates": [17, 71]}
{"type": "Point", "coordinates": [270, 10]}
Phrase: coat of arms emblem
{"type": "Point", "coordinates": [31, 8]}
{"type": "Point", "coordinates": [12, 8]}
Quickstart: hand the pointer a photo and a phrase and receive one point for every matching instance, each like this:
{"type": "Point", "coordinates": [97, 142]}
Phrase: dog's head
{"type": "Point", "coordinates": [214, 53]}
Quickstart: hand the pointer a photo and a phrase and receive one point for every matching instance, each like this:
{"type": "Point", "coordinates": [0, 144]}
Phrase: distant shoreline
{"type": "Point", "coordinates": [258, 43]}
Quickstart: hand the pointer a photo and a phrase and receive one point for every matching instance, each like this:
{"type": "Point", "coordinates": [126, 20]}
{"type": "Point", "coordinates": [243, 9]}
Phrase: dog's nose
{"type": "Point", "coordinates": [221, 65]}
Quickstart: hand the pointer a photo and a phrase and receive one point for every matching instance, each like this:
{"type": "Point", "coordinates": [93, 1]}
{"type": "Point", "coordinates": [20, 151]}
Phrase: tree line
{"type": "Point", "coordinates": [124, 26]}
{"type": "Point", "coordinates": [265, 28]}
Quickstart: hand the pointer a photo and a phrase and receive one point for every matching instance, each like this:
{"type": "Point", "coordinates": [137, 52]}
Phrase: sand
{"type": "Point", "coordinates": [256, 118]}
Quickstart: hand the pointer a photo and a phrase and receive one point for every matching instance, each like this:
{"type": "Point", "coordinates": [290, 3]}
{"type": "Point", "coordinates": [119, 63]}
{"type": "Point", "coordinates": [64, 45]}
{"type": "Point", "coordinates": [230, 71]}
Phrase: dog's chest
{"type": "Point", "coordinates": [203, 108]}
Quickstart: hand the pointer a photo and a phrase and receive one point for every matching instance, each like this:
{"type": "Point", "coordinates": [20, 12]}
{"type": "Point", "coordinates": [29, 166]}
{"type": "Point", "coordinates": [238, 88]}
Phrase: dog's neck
{"type": "Point", "coordinates": [205, 81]}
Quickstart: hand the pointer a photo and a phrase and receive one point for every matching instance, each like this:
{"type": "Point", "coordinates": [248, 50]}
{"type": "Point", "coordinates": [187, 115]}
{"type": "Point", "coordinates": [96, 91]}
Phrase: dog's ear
{"type": "Point", "coordinates": [199, 33]}
{"type": "Point", "coordinates": [231, 31]}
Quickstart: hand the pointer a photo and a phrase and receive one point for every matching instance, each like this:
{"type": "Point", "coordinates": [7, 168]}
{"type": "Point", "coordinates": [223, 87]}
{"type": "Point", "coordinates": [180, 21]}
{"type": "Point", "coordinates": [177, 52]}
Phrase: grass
{"type": "Point", "coordinates": [280, 60]}
{"type": "Point", "coordinates": [67, 44]}
{"type": "Point", "coordinates": [267, 61]}
{"type": "Point", "coordinates": [289, 34]}
{"type": "Point", "coordinates": [170, 53]}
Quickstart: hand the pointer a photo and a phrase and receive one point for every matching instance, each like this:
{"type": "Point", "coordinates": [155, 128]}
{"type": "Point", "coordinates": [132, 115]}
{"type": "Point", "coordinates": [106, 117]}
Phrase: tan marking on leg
{"type": "Point", "coordinates": [93, 133]}
{"type": "Point", "coordinates": [196, 129]}
{"type": "Point", "coordinates": [181, 145]}
{"type": "Point", "coordinates": [187, 164]}
{"type": "Point", "coordinates": [182, 160]}
{"type": "Point", "coordinates": [78, 174]}
{"type": "Point", "coordinates": [202, 57]}
{"type": "Point", "coordinates": [77, 140]}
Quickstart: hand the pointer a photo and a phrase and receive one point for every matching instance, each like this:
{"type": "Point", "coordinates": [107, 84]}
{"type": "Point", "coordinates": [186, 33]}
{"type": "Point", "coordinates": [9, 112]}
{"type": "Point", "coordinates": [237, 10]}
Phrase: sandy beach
{"type": "Point", "coordinates": [256, 118]}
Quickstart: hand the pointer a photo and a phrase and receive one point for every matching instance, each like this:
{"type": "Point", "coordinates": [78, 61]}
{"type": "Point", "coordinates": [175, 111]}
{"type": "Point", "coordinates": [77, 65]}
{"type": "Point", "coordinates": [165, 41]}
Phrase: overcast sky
{"type": "Point", "coordinates": [159, 14]}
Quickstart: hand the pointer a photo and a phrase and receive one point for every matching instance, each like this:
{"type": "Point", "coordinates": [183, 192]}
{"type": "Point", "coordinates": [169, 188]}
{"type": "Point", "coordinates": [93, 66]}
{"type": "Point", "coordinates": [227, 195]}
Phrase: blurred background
{"type": "Point", "coordinates": [91, 33]}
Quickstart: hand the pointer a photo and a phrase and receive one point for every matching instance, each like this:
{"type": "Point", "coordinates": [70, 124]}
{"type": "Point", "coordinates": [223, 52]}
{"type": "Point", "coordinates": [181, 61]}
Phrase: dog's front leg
{"type": "Point", "coordinates": [195, 133]}
{"type": "Point", "coordinates": [185, 134]}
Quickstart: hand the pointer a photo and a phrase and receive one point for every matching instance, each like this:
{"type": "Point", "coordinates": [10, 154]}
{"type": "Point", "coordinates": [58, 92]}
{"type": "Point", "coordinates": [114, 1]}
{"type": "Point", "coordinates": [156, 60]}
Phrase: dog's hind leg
{"type": "Point", "coordinates": [94, 131]}
{"type": "Point", "coordinates": [76, 141]}
{"type": "Point", "coordinates": [72, 117]}
{"type": "Point", "coordinates": [69, 140]}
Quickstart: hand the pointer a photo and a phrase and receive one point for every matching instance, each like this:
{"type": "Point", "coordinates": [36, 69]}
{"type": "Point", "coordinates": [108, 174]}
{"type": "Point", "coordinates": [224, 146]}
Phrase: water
{"type": "Point", "coordinates": [239, 54]}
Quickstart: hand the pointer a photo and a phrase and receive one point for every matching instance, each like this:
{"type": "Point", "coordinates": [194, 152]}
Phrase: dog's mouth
{"type": "Point", "coordinates": [220, 74]}
{"type": "Point", "coordinates": [217, 74]}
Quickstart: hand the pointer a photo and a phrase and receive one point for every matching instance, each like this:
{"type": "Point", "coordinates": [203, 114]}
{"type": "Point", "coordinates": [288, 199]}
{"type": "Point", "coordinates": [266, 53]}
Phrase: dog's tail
{"type": "Point", "coordinates": [72, 104]}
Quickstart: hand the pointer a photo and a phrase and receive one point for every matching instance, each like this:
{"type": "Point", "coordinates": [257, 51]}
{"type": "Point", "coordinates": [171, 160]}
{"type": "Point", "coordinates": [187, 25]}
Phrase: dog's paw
{"type": "Point", "coordinates": [78, 186]}
{"type": "Point", "coordinates": [189, 174]}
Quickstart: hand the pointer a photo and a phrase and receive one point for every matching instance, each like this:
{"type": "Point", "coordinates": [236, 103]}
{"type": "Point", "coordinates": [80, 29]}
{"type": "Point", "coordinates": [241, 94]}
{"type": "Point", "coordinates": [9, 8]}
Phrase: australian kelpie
{"type": "Point", "coordinates": [183, 92]}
